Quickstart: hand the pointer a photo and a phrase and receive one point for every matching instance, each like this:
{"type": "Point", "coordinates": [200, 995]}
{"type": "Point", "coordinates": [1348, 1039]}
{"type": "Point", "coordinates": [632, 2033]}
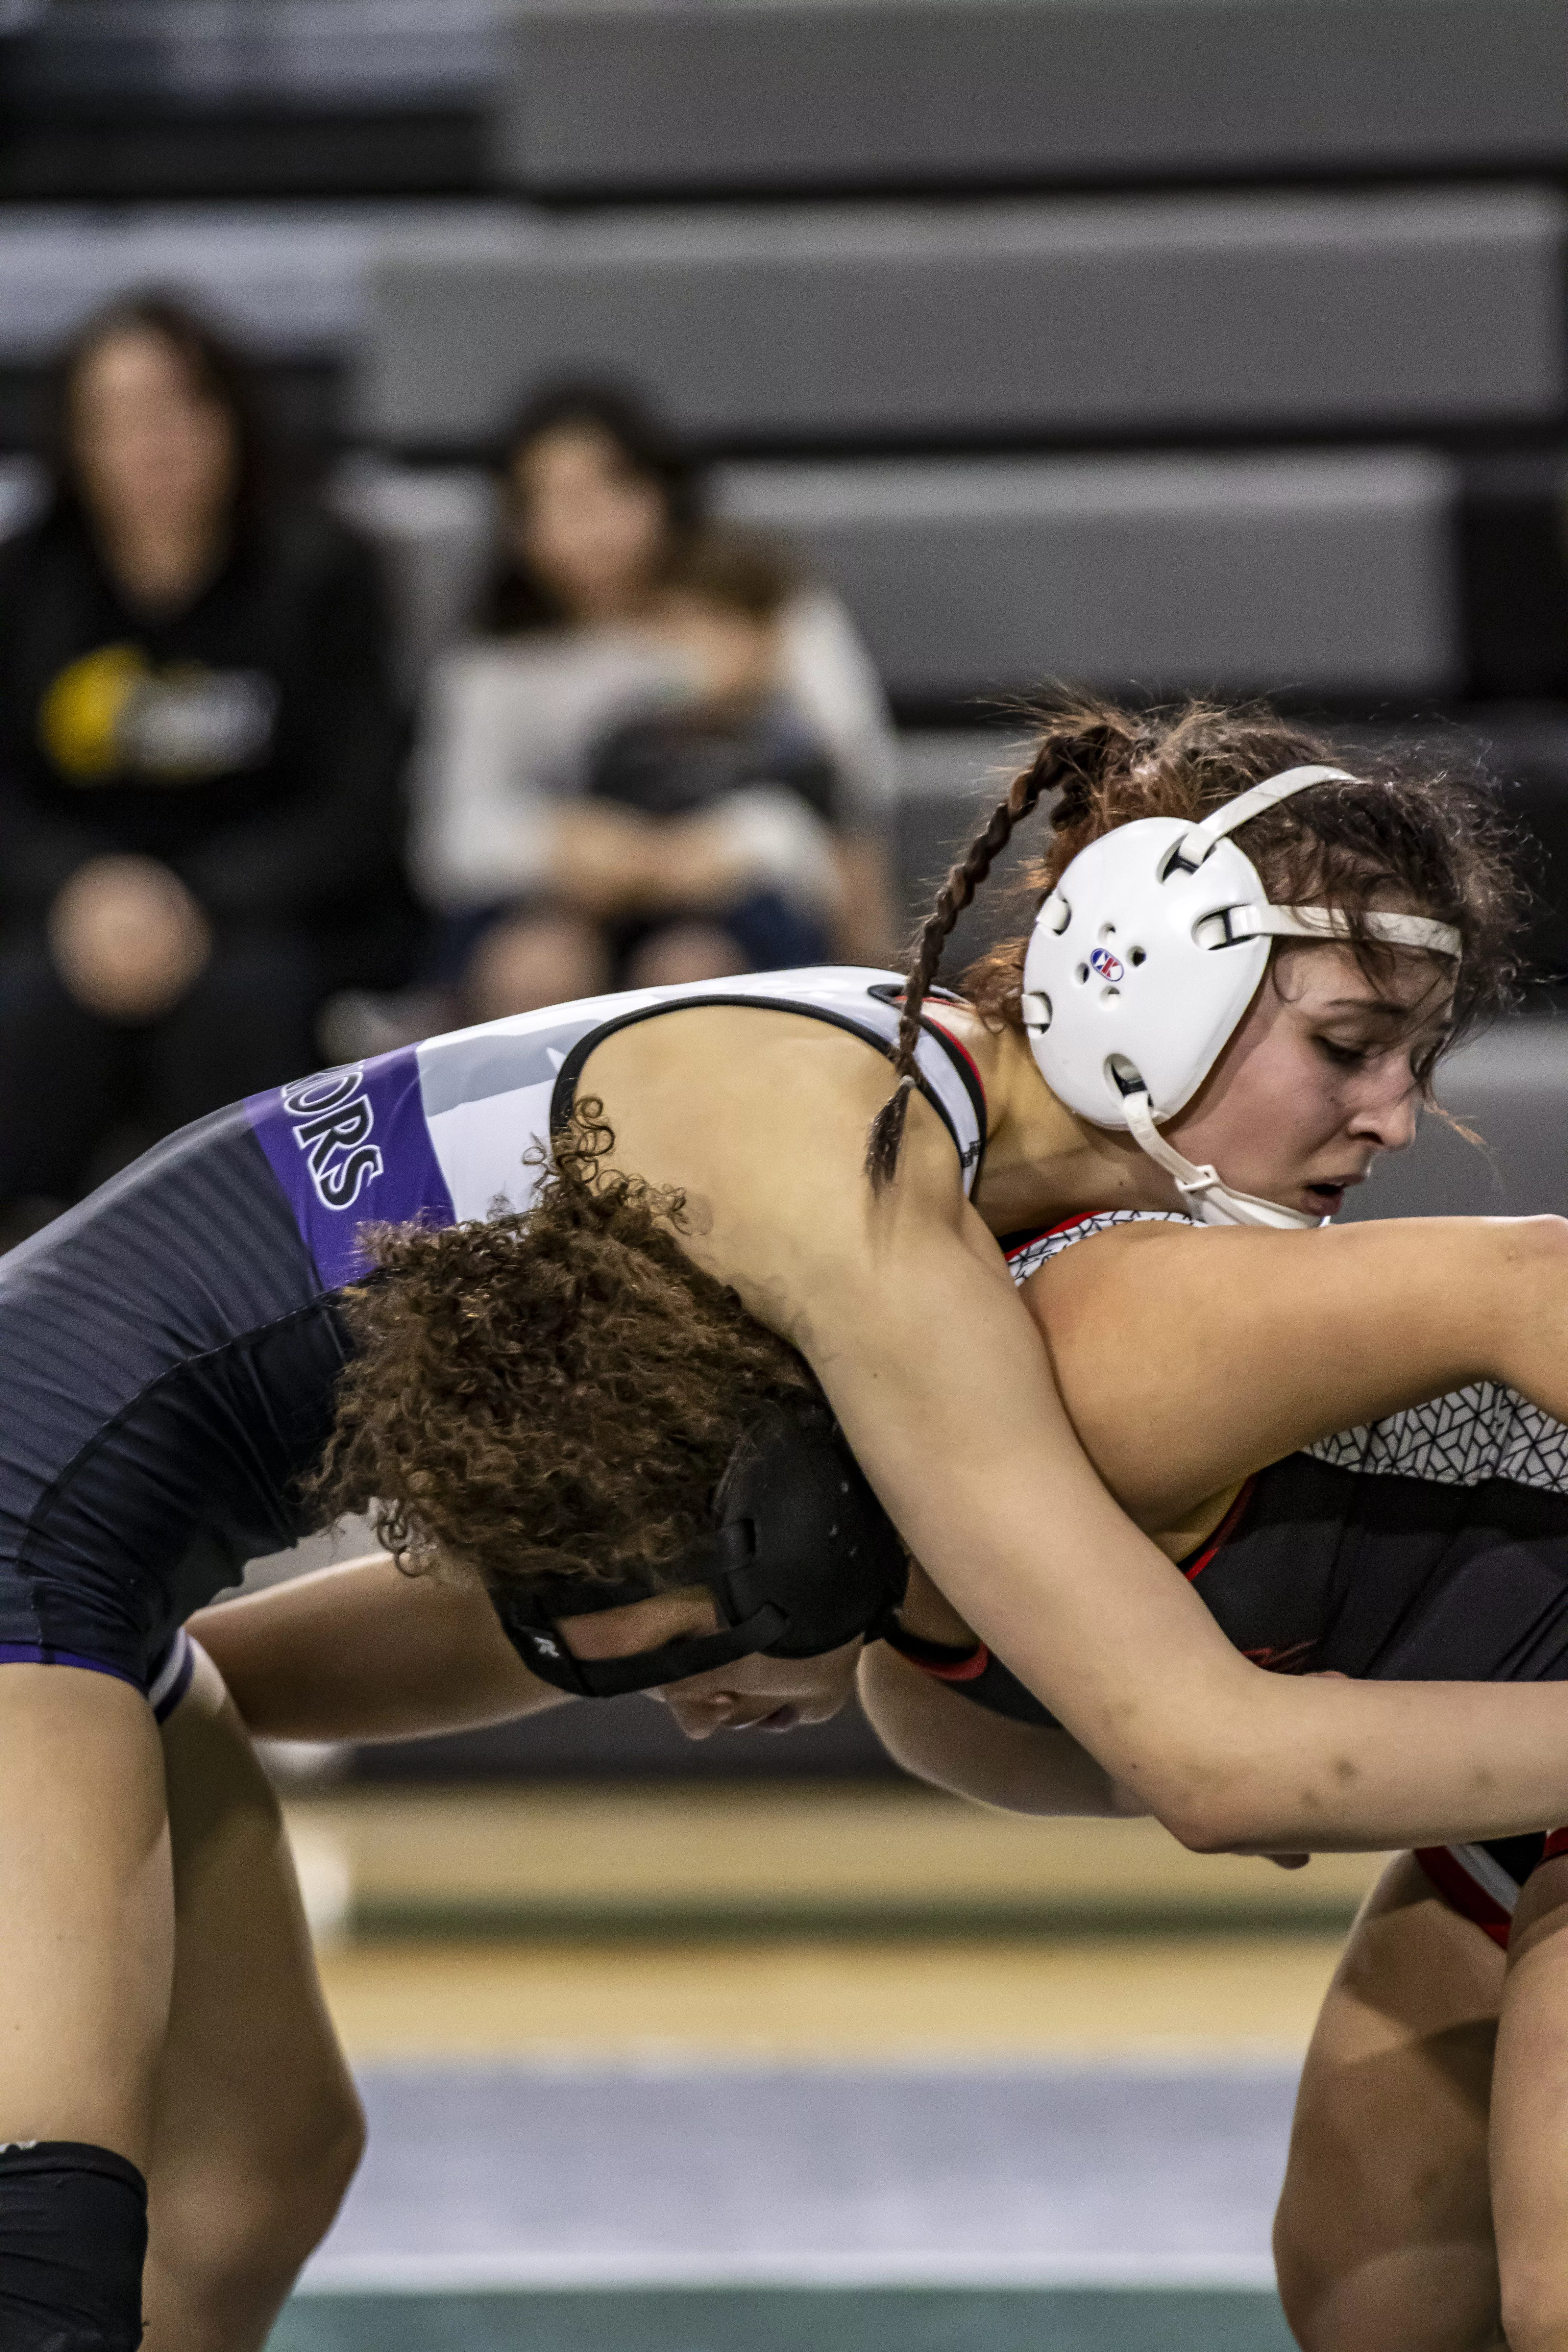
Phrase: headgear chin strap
{"type": "Point", "coordinates": [1204, 1194]}
{"type": "Point", "coordinates": [802, 1560]}
{"type": "Point", "coordinates": [1143, 960]}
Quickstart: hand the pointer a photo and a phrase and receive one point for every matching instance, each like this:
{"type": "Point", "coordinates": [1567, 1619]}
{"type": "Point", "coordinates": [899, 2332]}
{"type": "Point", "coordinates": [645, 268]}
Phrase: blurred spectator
{"type": "Point", "coordinates": [665, 759]}
{"type": "Point", "coordinates": [198, 760]}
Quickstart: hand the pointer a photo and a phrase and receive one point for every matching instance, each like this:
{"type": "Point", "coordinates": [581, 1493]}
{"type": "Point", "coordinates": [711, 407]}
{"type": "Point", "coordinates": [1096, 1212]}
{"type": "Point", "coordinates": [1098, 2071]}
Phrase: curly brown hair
{"type": "Point", "coordinates": [1414, 832]}
{"type": "Point", "coordinates": [553, 1391]}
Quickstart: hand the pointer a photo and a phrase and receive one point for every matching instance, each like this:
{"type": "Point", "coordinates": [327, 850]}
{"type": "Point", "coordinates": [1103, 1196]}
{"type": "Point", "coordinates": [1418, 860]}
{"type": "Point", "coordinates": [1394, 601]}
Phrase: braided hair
{"type": "Point", "coordinates": [1407, 831]}
{"type": "Point", "coordinates": [1071, 753]}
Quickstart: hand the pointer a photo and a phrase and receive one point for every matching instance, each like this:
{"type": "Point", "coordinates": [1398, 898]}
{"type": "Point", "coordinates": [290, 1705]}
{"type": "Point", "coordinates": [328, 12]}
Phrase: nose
{"type": "Point", "coordinates": [1387, 1118]}
{"type": "Point", "coordinates": [699, 1718]}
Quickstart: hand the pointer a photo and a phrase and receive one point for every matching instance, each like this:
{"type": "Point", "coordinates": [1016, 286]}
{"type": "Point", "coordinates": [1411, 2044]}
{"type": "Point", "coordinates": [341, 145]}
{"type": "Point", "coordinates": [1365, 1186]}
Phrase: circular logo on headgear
{"type": "Point", "coordinates": [1107, 966]}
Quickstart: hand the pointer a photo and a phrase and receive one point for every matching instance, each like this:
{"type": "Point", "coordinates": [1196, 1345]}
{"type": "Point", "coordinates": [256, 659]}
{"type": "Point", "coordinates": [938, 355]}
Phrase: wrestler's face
{"type": "Point", "coordinates": [767, 1694]}
{"type": "Point", "coordinates": [1320, 1077]}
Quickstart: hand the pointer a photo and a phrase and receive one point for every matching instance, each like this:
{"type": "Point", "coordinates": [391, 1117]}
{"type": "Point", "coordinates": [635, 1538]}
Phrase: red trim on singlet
{"type": "Point", "coordinates": [1466, 1895]}
{"type": "Point", "coordinates": [1046, 1233]}
{"type": "Point", "coordinates": [1193, 1567]}
{"type": "Point", "coordinates": [964, 1670]}
{"type": "Point", "coordinates": [1460, 1892]}
{"type": "Point", "coordinates": [966, 1667]}
{"type": "Point", "coordinates": [930, 1019]}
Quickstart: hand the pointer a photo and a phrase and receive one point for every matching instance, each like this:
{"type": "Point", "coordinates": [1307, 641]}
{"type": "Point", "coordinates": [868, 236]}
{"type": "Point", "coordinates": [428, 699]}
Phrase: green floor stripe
{"type": "Point", "coordinates": [800, 2320]}
{"type": "Point", "coordinates": [1049, 1920]}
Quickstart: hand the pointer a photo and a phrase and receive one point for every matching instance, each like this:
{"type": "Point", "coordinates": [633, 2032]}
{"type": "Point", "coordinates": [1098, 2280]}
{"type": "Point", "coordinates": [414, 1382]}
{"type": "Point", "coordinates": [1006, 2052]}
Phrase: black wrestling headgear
{"type": "Point", "coordinates": [802, 1560]}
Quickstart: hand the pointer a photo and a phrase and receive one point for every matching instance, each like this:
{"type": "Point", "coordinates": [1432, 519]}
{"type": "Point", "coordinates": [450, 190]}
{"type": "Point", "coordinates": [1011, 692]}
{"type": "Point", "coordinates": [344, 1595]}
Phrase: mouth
{"type": "Point", "coordinates": [778, 1718]}
{"type": "Point", "coordinates": [1327, 1198]}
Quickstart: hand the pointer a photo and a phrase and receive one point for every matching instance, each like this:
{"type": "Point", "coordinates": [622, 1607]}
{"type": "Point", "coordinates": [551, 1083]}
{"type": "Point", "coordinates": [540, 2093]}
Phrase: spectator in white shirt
{"type": "Point", "coordinates": [665, 760]}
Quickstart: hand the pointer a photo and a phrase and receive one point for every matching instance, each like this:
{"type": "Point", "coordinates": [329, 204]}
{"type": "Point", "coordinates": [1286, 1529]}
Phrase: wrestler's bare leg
{"type": "Point", "coordinates": [1530, 2119]}
{"type": "Point", "coordinates": [1383, 2238]}
{"type": "Point", "coordinates": [256, 2127]}
{"type": "Point", "coordinates": [86, 1928]}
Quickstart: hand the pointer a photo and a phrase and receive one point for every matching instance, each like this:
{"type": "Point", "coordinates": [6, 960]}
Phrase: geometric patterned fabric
{"type": "Point", "coordinates": [1464, 1440]}
{"type": "Point", "coordinates": [1039, 1250]}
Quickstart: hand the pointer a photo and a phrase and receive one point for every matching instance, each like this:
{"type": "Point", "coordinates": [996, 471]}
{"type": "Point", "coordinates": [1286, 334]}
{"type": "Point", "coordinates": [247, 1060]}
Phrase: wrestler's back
{"type": "Point", "coordinates": [169, 1350]}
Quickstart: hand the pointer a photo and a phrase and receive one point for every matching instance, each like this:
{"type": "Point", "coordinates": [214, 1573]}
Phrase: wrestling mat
{"type": "Point", "coordinates": [666, 2207]}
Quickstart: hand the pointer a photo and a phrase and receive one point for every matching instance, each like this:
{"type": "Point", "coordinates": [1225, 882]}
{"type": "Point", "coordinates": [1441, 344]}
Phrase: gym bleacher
{"type": "Point", "coordinates": [1158, 343]}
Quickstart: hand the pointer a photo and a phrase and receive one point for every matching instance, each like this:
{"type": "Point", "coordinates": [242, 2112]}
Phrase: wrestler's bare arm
{"type": "Point", "coordinates": [363, 1651]}
{"type": "Point", "coordinates": [1019, 1767]}
{"type": "Point", "coordinates": [1248, 1346]}
{"type": "Point", "coordinates": [908, 1314]}
{"type": "Point", "coordinates": [1189, 1359]}
{"type": "Point", "coordinates": [942, 1382]}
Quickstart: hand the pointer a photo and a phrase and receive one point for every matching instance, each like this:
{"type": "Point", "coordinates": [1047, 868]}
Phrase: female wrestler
{"type": "Point", "coordinates": [172, 1352]}
{"type": "Point", "coordinates": [1323, 1068]}
{"type": "Point", "coordinates": [1425, 2205]}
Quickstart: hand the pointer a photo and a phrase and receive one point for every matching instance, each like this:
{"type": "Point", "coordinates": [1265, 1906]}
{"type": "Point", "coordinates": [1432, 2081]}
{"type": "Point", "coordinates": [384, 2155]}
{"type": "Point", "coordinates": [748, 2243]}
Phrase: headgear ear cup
{"type": "Point", "coordinates": [801, 1560]}
{"type": "Point", "coordinates": [1142, 965]}
{"type": "Point", "coordinates": [825, 1552]}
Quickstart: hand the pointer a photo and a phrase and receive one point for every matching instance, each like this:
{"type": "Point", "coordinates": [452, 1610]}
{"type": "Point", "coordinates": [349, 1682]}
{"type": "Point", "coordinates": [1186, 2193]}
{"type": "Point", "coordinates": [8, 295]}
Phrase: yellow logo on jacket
{"type": "Point", "coordinates": [111, 713]}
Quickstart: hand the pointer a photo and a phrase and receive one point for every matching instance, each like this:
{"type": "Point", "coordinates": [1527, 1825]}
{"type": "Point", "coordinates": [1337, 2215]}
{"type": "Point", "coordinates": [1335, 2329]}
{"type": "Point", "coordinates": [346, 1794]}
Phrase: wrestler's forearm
{"type": "Point", "coordinates": [363, 1652]}
{"type": "Point", "coordinates": [941, 1738]}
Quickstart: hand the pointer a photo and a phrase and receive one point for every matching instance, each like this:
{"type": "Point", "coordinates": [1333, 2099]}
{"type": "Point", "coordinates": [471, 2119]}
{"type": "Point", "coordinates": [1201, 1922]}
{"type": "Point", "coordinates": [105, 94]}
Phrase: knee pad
{"type": "Point", "coordinates": [73, 2240]}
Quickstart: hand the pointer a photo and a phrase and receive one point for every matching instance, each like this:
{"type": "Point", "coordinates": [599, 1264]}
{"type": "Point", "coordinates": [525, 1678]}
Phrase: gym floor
{"type": "Point", "coordinates": [853, 2067]}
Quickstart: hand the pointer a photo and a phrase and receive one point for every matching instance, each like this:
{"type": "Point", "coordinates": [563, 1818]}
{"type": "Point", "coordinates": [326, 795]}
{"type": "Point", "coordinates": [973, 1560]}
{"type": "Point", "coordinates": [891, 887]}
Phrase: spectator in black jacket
{"type": "Point", "coordinates": [199, 748]}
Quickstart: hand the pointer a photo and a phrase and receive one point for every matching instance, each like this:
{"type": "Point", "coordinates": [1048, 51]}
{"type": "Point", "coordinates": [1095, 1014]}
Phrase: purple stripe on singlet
{"type": "Point", "coordinates": [351, 1148]}
{"type": "Point", "coordinates": [39, 1653]}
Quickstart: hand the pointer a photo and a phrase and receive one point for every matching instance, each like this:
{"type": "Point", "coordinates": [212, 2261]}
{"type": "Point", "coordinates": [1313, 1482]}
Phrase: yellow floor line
{"type": "Point", "coordinates": [947, 2000]}
{"type": "Point", "coordinates": [602, 1852]}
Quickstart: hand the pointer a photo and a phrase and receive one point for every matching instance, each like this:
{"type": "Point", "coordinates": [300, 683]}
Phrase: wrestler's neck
{"type": "Point", "coordinates": [1042, 1164]}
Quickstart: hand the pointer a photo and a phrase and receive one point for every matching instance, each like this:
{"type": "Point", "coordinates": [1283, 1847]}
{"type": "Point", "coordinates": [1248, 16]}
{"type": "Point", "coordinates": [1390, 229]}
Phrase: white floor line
{"type": "Point", "coordinates": [1179, 2058]}
{"type": "Point", "coordinates": [497, 2271]}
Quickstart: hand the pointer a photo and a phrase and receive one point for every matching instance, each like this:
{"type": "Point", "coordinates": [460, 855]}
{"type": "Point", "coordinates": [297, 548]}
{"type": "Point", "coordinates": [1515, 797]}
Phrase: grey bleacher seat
{"type": "Point", "coordinates": [1115, 317]}
{"type": "Point", "coordinates": [1332, 573]}
{"type": "Point", "coordinates": [863, 93]}
{"type": "Point", "coordinates": [952, 779]}
{"type": "Point", "coordinates": [435, 530]}
{"type": "Point", "coordinates": [382, 52]}
{"type": "Point", "coordinates": [124, 100]}
{"type": "Point", "coordinates": [289, 277]}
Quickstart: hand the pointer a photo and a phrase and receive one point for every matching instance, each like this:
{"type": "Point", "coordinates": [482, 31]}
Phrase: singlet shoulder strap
{"type": "Point", "coordinates": [1025, 1253]}
{"type": "Point", "coordinates": [866, 1003]}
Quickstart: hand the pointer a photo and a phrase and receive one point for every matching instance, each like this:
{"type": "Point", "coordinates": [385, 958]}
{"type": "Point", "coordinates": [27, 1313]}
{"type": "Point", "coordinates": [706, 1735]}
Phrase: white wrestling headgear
{"type": "Point", "coordinates": [1143, 960]}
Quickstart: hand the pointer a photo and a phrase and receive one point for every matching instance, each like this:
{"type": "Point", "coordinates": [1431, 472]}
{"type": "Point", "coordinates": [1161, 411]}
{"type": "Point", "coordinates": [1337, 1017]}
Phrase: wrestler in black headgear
{"type": "Point", "coordinates": [803, 1559]}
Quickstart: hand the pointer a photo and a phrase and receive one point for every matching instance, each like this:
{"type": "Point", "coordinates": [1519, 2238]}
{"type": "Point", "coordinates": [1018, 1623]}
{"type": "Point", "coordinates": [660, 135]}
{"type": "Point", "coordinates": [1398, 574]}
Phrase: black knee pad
{"type": "Point", "coordinates": [73, 2240]}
